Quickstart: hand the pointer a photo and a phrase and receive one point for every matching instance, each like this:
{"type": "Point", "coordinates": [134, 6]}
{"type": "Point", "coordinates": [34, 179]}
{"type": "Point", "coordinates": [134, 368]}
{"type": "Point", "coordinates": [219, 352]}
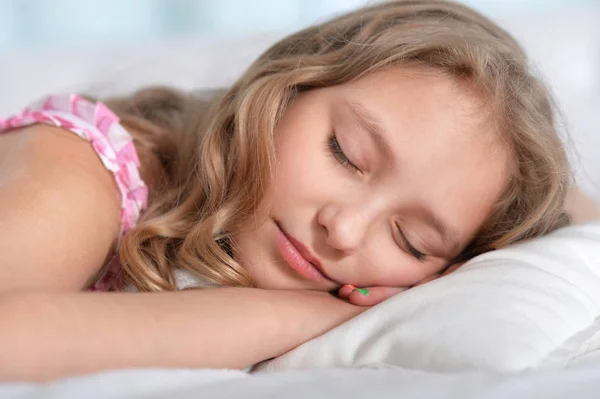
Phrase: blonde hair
{"type": "Point", "coordinates": [208, 161]}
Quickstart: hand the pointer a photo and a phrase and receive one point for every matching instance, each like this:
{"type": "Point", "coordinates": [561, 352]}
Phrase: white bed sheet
{"type": "Point", "coordinates": [579, 382]}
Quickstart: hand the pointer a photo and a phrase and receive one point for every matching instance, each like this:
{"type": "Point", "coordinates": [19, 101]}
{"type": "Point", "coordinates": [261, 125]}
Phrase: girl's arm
{"type": "Point", "coordinates": [51, 335]}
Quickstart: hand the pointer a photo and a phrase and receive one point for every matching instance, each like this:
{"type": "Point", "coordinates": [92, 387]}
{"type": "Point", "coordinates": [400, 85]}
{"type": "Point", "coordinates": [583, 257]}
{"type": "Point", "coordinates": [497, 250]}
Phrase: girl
{"type": "Point", "coordinates": [375, 150]}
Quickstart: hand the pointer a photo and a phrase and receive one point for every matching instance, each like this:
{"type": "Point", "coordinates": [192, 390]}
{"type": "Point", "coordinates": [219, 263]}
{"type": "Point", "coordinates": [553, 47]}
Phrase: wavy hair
{"type": "Point", "coordinates": [208, 161]}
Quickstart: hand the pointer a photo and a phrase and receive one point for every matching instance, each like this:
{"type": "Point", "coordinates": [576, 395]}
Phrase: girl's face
{"type": "Point", "coordinates": [379, 182]}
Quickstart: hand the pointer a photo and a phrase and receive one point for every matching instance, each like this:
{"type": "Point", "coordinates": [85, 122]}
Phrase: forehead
{"type": "Point", "coordinates": [449, 154]}
{"type": "Point", "coordinates": [424, 106]}
{"type": "Point", "coordinates": [420, 94]}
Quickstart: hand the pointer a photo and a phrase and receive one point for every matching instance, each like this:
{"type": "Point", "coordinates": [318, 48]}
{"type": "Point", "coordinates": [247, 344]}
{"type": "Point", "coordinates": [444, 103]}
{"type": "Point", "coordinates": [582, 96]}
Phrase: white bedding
{"type": "Point", "coordinates": [327, 384]}
{"type": "Point", "coordinates": [534, 305]}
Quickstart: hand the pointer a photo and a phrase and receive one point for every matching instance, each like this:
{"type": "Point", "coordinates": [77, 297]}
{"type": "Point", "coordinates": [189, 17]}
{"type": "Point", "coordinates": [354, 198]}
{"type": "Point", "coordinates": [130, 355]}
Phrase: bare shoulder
{"type": "Point", "coordinates": [581, 207]}
{"type": "Point", "coordinates": [59, 208]}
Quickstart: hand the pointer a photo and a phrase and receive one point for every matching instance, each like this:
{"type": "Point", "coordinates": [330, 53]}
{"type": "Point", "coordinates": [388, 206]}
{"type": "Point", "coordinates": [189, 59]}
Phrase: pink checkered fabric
{"type": "Point", "coordinates": [113, 144]}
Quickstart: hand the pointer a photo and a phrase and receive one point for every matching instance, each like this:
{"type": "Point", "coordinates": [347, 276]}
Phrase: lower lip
{"type": "Point", "coordinates": [295, 260]}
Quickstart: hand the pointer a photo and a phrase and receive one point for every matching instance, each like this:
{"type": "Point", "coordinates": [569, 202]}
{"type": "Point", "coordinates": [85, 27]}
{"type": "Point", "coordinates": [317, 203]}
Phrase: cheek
{"type": "Point", "coordinates": [395, 269]}
{"type": "Point", "coordinates": [300, 168]}
{"type": "Point", "coordinates": [400, 275]}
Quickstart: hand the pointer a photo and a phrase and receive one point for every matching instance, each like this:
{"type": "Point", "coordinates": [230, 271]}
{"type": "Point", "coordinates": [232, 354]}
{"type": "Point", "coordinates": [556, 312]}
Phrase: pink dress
{"type": "Point", "coordinates": [113, 144]}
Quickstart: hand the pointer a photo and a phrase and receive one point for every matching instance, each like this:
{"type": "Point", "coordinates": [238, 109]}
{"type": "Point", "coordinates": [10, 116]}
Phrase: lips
{"type": "Point", "coordinates": [299, 258]}
{"type": "Point", "coordinates": [304, 252]}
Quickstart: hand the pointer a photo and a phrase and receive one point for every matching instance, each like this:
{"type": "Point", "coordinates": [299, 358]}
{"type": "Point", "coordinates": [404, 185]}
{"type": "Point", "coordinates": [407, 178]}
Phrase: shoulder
{"type": "Point", "coordinates": [70, 185]}
{"type": "Point", "coordinates": [59, 207]}
{"type": "Point", "coordinates": [56, 125]}
{"type": "Point", "coordinates": [53, 155]}
{"type": "Point", "coordinates": [580, 206]}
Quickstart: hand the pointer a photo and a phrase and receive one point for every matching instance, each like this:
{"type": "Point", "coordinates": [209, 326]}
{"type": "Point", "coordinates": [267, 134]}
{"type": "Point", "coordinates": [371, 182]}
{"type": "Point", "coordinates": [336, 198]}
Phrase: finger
{"type": "Point", "coordinates": [373, 295]}
{"type": "Point", "coordinates": [345, 290]}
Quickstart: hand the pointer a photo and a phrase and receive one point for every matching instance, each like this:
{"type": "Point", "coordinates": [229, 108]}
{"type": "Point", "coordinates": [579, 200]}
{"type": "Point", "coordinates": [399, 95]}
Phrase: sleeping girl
{"type": "Point", "coordinates": [352, 160]}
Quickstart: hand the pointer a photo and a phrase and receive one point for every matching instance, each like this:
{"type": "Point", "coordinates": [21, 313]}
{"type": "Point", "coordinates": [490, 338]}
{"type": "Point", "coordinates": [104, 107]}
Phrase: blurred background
{"type": "Point", "coordinates": [76, 23]}
{"type": "Point", "coordinates": [108, 47]}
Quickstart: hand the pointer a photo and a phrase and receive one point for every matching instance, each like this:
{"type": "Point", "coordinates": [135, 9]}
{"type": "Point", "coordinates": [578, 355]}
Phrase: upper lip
{"type": "Point", "coordinates": [305, 253]}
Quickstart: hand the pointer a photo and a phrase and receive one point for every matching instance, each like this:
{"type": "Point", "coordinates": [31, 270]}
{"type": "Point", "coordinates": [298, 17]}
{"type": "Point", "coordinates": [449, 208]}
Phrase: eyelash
{"type": "Point", "coordinates": [338, 153]}
{"type": "Point", "coordinates": [413, 252]}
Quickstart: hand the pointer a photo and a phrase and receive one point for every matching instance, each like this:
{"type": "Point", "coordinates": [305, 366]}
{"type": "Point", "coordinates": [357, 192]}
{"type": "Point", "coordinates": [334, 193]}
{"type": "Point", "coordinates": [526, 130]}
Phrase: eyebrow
{"type": "Point", "coordinates": [375, 127]}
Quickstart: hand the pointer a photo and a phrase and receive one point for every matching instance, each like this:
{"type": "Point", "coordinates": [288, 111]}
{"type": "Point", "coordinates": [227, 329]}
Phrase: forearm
{"type": "Point", "coordinates": [45, 336]}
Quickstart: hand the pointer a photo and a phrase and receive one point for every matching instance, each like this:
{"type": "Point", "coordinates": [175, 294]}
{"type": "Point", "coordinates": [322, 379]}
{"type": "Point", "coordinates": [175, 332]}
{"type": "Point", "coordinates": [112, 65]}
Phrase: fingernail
{"type": "Point", "coordinates": [351, 286]}
{"type": "Point", "coordinates": [363, 291]}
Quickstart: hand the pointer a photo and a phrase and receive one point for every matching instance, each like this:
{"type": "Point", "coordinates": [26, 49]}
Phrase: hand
{"type": "Point", "coordinates": [368, 296]}
{"type": "Point", "coordinates": [371, 296]}
{"type": "Point", "coordinates": [327, 306]}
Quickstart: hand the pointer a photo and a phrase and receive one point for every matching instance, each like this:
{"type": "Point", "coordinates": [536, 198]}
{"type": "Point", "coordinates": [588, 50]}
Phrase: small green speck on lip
{"type": "Point", "coordinates": [363, 291]}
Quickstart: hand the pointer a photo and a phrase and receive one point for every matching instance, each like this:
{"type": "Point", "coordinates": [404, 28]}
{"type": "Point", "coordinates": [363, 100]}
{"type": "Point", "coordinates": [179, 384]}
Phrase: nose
{"type": "Point", "coordinates": [345, 226]}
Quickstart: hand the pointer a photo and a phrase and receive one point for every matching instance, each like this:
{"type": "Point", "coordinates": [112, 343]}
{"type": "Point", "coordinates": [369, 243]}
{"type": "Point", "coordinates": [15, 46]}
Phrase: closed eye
{"type": "Point", "coordinates": [336, 150]}
{"type": "Point", "coordinates": [411, 249]}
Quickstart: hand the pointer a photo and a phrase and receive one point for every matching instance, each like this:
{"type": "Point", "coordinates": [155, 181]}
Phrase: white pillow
{"type": "Point", "coordinates": [531, 305]}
